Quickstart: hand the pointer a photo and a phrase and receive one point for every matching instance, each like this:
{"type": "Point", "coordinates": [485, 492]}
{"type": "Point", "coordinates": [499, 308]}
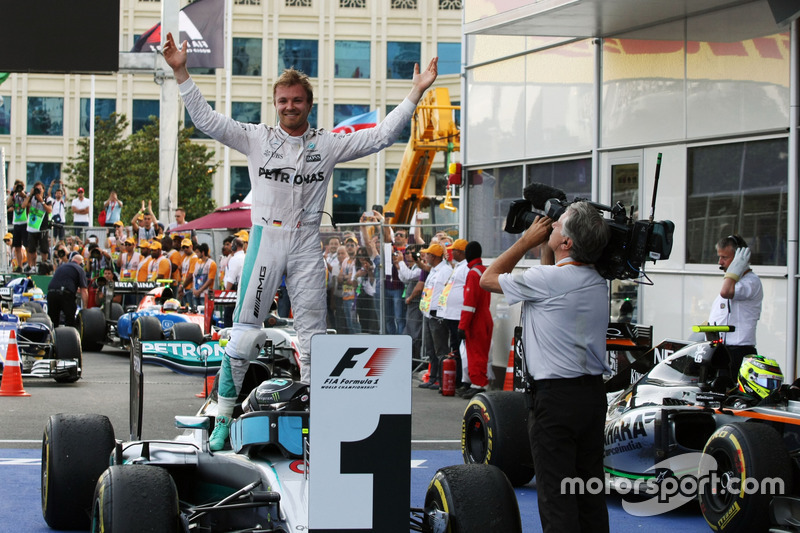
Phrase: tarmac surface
{"type": "Point", "coordinates": [104, 389]}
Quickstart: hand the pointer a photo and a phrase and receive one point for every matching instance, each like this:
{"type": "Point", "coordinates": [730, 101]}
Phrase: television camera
{"type": "Point", "coordinates": [631, 242]}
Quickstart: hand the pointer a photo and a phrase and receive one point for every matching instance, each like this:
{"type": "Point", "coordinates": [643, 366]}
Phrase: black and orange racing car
{"type": "Point", "coordinates": [682, 431]}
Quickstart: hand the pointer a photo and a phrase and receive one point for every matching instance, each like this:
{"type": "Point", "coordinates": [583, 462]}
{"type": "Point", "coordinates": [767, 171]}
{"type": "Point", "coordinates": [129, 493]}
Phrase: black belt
{"type": "Point", "coordinates": [542, 384]}
{"type": "Point", "coordinates": [62, 291]}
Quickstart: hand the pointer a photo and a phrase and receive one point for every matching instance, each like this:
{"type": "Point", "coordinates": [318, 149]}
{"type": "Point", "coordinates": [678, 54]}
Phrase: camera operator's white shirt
{"type": "Point", "coordinates": [565, 318]}
{"type": "Point", "coordinates": [742, 311]}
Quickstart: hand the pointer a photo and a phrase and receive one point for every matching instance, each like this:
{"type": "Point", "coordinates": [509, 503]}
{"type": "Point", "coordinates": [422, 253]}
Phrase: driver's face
{"type": "Point", "coordinates": [293, 108]}
{"type": "Point", "coordinates": [725, 257]}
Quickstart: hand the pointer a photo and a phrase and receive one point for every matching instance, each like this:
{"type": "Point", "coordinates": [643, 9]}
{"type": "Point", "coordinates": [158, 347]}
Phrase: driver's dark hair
{"type": "Point", "coordinates": [589, 232]}
{"type": "Point", "coordinates": [292, 77]}
{"type": "Point", "coordinates": [733, 241]}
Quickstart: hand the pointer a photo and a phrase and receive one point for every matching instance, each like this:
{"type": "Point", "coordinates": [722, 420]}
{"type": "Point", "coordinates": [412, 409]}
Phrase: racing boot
{"type": "Point", "coordinates": [222, 430]}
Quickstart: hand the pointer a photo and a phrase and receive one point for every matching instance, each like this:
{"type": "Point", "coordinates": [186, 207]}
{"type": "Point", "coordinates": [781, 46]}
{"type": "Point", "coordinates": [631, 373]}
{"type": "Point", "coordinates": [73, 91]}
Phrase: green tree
{"type": "Point", "coordinates": [129, 165]}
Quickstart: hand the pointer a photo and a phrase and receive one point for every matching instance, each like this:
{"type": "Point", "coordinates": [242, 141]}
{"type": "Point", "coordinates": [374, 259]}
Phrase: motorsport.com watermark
{"type": "Point", "coordinates": [680, 479]}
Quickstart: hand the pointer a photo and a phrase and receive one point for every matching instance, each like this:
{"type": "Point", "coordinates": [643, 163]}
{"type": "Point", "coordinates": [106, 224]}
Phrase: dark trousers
{"type": "Point", "coordinates": [737, 354]}
{"type": "Point", "coordinates": [565, 427]}
{"type": "Point", "coordinates": [59, 301]}
{"type": "Point", "coordinates": [437, 344]}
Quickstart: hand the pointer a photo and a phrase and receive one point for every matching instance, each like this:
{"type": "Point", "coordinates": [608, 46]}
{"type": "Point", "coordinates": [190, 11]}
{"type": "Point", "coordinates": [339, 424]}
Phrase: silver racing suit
{"type": "Point", "coordinates": [289, 180]}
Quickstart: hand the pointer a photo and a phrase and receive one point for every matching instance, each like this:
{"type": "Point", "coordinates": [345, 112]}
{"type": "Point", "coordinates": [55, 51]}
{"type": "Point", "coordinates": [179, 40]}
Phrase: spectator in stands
{"type": "Point", "coordinates": [80, 211]}
{"type": "Point", "coordinates": [145, 224]}
{"type": "Point", "coordinates": [409, 273]}
{"type": "Point", "coordinates": [38, 222]}
{"type": "Point", "coordinates": [188, 263]}
{"type": "Point", "coordinates": [58, 216]}
{"type": "Point", "coordinates": [16, 201]}
{"type": "Point", "coordinates": [205, 272]}
{"type": "Point", "coordinates": [113, 208]}
{"type": "Point", "coordinates": [365, 278]}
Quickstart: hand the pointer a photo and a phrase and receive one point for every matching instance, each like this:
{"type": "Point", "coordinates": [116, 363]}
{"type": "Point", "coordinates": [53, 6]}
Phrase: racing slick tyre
{"type": "Point", "coordinates": [33, 307]}
{"type": "Point", "coordinates": [68, 346]}
{"type": "Point", "coordinates": [75, 451]}
{"type": "Point", "coordinates": [42, 318]}
{"type": "Point", "coordinates": [147, 328]}
{"type": "Point", "coordinates": [116, 311]}
{"type": "Point", "coordinates": [753, 457]}
{"type": "Point", "coordinates": [92, 325]}
{"type": "Point", "coordinates": [135, 499]}
{"type": "Point", "coordinates": [494, 431]}
{"type": "Point", "coordinates": [187, 331]}
{"type": "Point", "coordinates": [476, 498]}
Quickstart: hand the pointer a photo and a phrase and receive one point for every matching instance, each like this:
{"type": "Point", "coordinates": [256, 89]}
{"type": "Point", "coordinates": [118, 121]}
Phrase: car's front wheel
{"type": "Point", "coordinates": [135, 499]}
{"type": "Point", "coordinates": [75, 451]}
{"type": "Point", "coordinates": [68, 346]}
{"type": "Point", "coordinates": [475, 498]}
{"type": "Point", "coordinates": [745, 465]}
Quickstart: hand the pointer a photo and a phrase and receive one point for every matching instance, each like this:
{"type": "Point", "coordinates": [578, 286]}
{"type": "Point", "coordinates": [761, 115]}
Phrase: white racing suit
{"type": "Point", "coordinates": [289, 180]}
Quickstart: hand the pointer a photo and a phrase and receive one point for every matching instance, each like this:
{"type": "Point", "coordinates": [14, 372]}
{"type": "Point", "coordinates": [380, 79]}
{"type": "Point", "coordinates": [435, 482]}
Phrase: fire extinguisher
{"type": "Point", "coordinates": [448, 376]}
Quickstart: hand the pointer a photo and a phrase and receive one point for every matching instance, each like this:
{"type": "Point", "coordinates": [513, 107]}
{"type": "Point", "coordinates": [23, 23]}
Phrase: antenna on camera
{"type": "Point", "coordinates": [655, 187]}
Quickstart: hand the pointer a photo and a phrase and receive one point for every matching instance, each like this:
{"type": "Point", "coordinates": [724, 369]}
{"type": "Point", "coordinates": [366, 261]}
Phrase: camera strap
{"type": "Point", "coordinates": [522, 379]}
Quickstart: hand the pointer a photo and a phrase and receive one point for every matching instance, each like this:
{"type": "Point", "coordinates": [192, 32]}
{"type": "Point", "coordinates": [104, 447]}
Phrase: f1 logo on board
{"type": "Point", "coordinates": [351, 372]}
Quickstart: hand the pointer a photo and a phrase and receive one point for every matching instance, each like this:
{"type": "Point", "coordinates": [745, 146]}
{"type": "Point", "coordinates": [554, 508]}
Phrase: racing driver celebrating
{"type": "Point", "coordinates": [290, 166]}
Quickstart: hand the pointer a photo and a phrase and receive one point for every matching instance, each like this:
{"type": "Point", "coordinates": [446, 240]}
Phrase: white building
{"type": "Point", "coordinates": [358, 53]}
{"type": "Point", "coordinates": [584, 95]}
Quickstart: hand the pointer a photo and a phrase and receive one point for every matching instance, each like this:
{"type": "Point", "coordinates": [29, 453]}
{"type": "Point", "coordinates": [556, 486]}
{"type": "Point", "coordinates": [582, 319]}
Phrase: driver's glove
{"type": "Point", "coordinates": [739, 265]}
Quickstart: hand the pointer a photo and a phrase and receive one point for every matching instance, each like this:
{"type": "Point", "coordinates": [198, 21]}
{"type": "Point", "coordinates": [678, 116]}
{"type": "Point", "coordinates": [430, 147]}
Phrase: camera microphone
{"type": "Point", "coordinates": [538, 194]}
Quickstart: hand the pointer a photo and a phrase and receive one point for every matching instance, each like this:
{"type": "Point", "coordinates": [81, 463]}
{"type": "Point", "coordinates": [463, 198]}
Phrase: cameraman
{"type": "Point", "coordinates": [16, 201]}
{"type": "Point", "coordinates": [59, 213]}
{"type": "Point", "coordinates": [565, 318]}
{"type": "Point", "coordinates": [39, 209]}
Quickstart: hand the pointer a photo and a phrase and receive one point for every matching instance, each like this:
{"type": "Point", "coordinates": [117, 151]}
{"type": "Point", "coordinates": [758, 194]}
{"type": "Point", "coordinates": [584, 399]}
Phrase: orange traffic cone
{"type": "Point", "coordinates": [508, 384]}
{"type": "Point", "coordinates": [12, 374]}
{"type": "Point", "coordinates": [208, 384]}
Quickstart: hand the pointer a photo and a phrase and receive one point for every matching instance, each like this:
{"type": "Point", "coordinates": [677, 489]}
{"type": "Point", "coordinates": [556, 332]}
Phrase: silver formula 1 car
{"type": "Point", "coordinates": [260, 484]}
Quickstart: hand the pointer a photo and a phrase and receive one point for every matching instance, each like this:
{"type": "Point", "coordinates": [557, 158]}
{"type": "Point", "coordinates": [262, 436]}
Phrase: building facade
{"type": "Point", "coordinates": [358, 53]}
{"type": "Point", "coordinates": [586, 100]}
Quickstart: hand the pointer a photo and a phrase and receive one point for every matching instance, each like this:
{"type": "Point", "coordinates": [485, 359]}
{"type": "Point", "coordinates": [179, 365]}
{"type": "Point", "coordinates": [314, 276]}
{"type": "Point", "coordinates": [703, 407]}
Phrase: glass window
{"type": "Point", "coordinates": [300, 54]}
{"type": "Point", "coordinates": [246, 112]}
{"type": "Point", "coordinates": [400, 59]}
{"type": "Point", "coordinates": [344, 111]}
{"type": "Point", "coordinates": [188, 123]}
{"type": "Point", "coordinates": [312, 117]}
{"type": "Point", "coordinates": [405, 135]}
{"type": "Point", "coordinates": [45, 116]}
{"type": "Point", "coordinates": [5, 115]}
{"type": "Point", "coordinates": [390, 178]}
{"type": "Point", "coordinates": [246, 57]}
{"type": "Point", "coordinates": [737, 188]}
{"type": "Point", "coordinates": [143, 110]}
{"type": "Point", "coordinates": [103, 107]}
{"type": "Point", "coordinates": [240, 183]}
{"type": "Point", "coordinates": [574, 177]}
{"type": "Point", "coordinates": [352, 59]}
{"type": "Point", "coordinates": [44, 172]}
{"type": "Point", "coordinates": [491, 191]}
{"type": "Point", "coordinates": [349, 194]}
{"type": "Point", "coordinates": [449, 58]}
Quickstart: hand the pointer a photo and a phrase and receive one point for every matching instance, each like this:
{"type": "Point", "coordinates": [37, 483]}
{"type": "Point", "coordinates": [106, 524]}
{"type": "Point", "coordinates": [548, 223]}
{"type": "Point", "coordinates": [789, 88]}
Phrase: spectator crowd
{"type": "Point", "coordinates": [388, 281]}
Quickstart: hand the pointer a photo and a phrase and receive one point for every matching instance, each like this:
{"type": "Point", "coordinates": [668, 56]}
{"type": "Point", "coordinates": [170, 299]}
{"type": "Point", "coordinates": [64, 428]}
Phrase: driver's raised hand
{"type": "Point", "coordinates": [176, 58]}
